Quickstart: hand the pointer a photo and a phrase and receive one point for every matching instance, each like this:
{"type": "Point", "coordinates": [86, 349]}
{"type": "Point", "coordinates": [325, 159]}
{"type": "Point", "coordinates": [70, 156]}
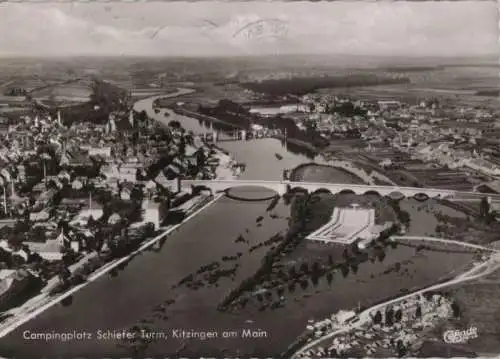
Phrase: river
{"type": "Point", "coordinates": [257, 154]}
{"type": "Point", "coordinates": [119, 302]}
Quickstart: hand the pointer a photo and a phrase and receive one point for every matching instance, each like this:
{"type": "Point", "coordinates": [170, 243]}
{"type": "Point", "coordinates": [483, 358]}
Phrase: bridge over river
{"type": "Point", "coordinates": [282, 187]}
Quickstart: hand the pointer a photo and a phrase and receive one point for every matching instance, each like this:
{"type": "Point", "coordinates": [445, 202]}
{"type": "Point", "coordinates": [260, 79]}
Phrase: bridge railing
{"type": "Point", "coordinates": [346, 186]}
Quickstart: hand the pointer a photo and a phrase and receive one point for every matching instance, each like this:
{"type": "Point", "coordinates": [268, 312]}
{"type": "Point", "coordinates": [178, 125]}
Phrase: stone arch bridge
{"type": "Point", "coordinates": [282, 187]}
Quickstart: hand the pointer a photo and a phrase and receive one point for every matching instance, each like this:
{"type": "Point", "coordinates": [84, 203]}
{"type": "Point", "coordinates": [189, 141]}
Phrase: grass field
{"type": "Point", "coordinates": [423, 216]}
{"type": "Point", "coordinates": [322, 173]}
{"type": "Point", "coordinates": [65, 93]}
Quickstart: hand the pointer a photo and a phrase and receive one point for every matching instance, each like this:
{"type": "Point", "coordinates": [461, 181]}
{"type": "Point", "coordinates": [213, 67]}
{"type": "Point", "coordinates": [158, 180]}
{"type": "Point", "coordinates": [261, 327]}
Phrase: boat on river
{"type": "Point", "coordinates": [278, 156]}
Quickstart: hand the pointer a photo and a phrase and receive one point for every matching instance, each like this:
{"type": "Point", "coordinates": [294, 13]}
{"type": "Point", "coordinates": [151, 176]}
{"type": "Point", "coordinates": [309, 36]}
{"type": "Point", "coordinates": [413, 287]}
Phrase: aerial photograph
{"type": "Point", "coordinates": [258, 179]}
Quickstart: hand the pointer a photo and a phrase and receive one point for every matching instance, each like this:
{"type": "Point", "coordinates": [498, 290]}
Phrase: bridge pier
{"type": "Point", "coordinates": [285, 186]}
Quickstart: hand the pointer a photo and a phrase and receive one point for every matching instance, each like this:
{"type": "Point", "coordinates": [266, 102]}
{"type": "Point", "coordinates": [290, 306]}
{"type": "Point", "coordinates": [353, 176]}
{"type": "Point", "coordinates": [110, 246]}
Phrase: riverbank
{"type": "Point", "coordinates": [196, 115]}
{"type": "Point", "coordinates": [184, 112]}
{"type": "Point", "coordinates": [188, 119]}
{"type": "Point", "coordinates": [45, 300]}
{"type": "Point", "coordinates": [224, 171]}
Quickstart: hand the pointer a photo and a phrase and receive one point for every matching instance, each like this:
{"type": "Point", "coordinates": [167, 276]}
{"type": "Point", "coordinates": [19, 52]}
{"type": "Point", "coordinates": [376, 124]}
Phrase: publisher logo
{"type": "Point", "coordinates": [460, 336]}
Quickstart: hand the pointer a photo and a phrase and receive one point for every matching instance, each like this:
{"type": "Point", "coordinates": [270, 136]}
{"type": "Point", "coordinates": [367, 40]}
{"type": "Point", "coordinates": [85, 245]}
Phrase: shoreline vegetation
{"type": "Point", "coordinates": [92, 263]}
{"type": "Point", "coordinates": [299, 228]}
{"type": "Point", "coordinates": [225, 119]}
{"type": "Point", "coordinates": [228, 126]}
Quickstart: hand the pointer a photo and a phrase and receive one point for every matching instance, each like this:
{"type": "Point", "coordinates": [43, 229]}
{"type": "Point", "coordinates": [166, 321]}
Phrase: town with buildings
{"type": "Point", "coordinates": [75, 197]}
{"type": "Point", "coordinates": [78, 196]}
{"type": "Point", "coordinates": [270, 181]}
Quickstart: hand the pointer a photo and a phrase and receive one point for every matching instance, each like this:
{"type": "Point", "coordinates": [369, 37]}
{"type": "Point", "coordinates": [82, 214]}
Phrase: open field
{"type": "Point", "coordinates": [458, 84]}
{"type": "Point", "coordinates": [480, 307]}
{"type": "Point", "coordinates": [71, 92]}
{"type": "Point", "coordinates": [423, 216]}
{"type": "Point", "coordinates": [80, 89]}
{"type": "Point", "coordinates": [208, 94]}
{"type": "Point", "coordinates": [322, 173]}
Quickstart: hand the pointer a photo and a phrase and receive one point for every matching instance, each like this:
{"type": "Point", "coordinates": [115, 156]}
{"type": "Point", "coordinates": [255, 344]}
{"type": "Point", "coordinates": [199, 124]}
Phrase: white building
{"type": "Point", "coordinates": [153, 213]}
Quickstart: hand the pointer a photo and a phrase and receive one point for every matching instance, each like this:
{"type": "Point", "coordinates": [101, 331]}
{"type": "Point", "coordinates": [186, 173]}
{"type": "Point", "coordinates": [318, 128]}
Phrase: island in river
{"type": "Point", "coordinates": [180, 286]}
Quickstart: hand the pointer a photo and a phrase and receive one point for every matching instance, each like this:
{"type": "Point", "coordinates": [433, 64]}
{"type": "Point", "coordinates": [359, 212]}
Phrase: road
{"type": "Point", "coordinates": [41, 303]}
{"type": "Point", "coordinates": [443, 240]}
{"type": "Point", "coordinates": [364, 317]}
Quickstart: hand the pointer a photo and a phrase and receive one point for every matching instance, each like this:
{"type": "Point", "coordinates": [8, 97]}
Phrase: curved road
{"type": "Point", "coordinates": [444, 240]}
{"type": "Point", "coordinates": [364, 317]}
{"type": "Point", "coordinates": [45, 303]}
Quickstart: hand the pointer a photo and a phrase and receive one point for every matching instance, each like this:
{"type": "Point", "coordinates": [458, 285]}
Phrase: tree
{"type": "Point", "coordinates": [316, 268]}
{"type": "Point", "coordinates": [354, 268]}
{"type": "Point", "coordinates": [329, 277]}
{"type": "Point", "coordinates": [330, 260]}
{"type": "Point", "coordinates": [354, 248]}
{"type": "Point", "coordinates": [291, 287]}
{"type": "Point", "coordinates": [64, 274]}
{"type": "Point", "coordinates": [456, 309]}
{"type": "Point", "coordinates": [292, 272]}
{"type": "Point", "coordinates": [389, 316]}
{"type": "Point", "coordinates": [304, 284]}
{"type": "Point", "coordinates": [377, 319]}
{"type": "Point", "coordinates": [381, 255]}
{"type": "Point", "coordinates": [484, 207]}
{"type": "Point", "coordinates": [491, 217]}
{"type": "Point", "coordinates": [404, 218]}
{"type": "Point", "coordinates": [345, 254]}
{"type": "Point", "coordinates": [401, 349]}
{"type": "Point", "coordinates": [418, 312]}
{"type": "Point", "coordinates": [35, 258]}
{"type": "Point", "coordinates": [304, 268]}
{"type": "Point", "coordinates": [345, 270]}
{"type": "Point", "coordinates": [398, 315]}
{"type": "Point", "coordinates": [174, 124]}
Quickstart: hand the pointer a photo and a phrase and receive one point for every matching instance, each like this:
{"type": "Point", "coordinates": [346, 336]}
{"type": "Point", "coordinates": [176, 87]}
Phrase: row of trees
{"type": "Point", "coordinates": [403, 216]}
{"type": "Point", "coordinates": [302, 214]}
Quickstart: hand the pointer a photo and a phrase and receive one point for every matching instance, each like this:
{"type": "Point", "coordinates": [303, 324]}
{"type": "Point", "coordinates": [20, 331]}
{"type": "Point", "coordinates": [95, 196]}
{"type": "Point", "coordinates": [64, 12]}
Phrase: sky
{"type": "Point", "coordinates": [209, 28]}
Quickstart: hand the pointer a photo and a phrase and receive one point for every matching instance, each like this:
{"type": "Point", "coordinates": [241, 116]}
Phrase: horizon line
{"type": "Point", "coordinates": [229, 56]}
